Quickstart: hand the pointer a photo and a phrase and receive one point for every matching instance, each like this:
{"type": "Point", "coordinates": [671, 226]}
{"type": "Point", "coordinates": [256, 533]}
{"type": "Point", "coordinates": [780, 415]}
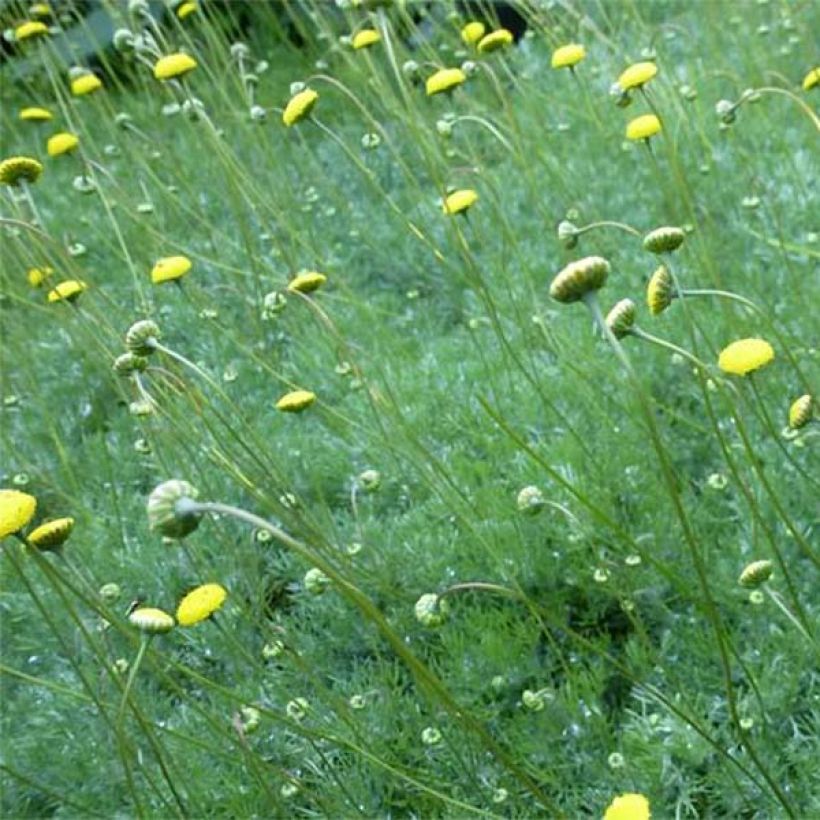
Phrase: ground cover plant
{"type": "Point", "coordinates": [407, 416]}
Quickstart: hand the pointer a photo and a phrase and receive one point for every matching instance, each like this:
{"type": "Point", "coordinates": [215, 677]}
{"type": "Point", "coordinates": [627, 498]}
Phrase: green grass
{"type": "Point", "coordinates": [438, 359]}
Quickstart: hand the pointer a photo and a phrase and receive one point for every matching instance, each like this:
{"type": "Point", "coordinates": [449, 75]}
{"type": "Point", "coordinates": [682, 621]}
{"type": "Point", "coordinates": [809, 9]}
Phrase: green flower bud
{"type": "Point", "coordinates": [129, 363]}
{"type": "Point", "coordinates": [530, 500]}
{"type": "Point", "coordinates": [142, 337]}
{"type": "Point", "coordinates": [579, 278]}
{"type": "Point", "coordinates": [167, 513]}
{"type": "Point", "coordinates": [431, 611]}
{"type": "Point", "coordinates": [756, 573]}
{"type": "Point", "coordinates": [315, 581]}
{"type": "Point", "coordinates": [621, 318]}
{"type": "Point", "coordinates": [664, 240]}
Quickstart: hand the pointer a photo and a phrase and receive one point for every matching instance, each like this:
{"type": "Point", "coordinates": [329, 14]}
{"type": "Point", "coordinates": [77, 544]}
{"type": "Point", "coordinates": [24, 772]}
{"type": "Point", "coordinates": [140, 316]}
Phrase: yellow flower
{"type": "Point", "coordinates": [445, 79]}
{"type": "Point", "coordinates": [170, 268]}
{"type": "Point", "coordinates": [800, 412]}
{"type": "Point", "coordinates": [36, 276]}
{"type": "Point", "coordinates": [295, 401]}
{"type": "Point", "coordinates": [15, 170]}
{"type": "Point", "coordinates": [67, 291]}
{"type": "Point", "coordinates": [812, 79]}
{"type": "Point", "coordinates": [366, 37]}
{"type": "Point", "coordinates": [628, 807]}
{"type": "Point", "coordinates": [621, 318]}
{"type": "Point", "coordinates": [34, 114]}
{"type": "Point", "coordinates": [745, 356]}
{"type": "Point", "coordinates": [495, 40]}
{"type": "Point", "coordinates": [299, 106]}
{"type": "Point", "coordinates": [660, 291]}
{"type": "Point", "coordinates": [16, 510]}
{"type": "Point", "coordinates": [459, 201]}
{"type": "Point", "coordinates": [664, 240]}
{"type": "Point", "coordinates": [579, 278]}
{"type": "Point", "coordinates": [62, 143]}
{"type": "Point", "coordinates": [31, 28]}
{"type": "Point", "coordinates": [152, 621]}
{"type": "Point", "coordinates": [473, 32]}
{"type": "Point", "coordinates": [644, 127]}
{"type": "Point", "coordinates": [756, 573]}
{"type": "Point", "coordinates": [85, 84]}
{"type": "Point", "coordinates": [568, 56]}
{"type": "Point", "coordinates": [186, 9]}
{"type": "Point", "coordinates": [307, 282]}
{"type": "Point", "coordinates": [637, 75]}
{"type": "Point", "coordinates": [40, 9]}
{"type": "Point", "coordinates": [200, 604]}
{"type": "Point", "coordinates": [174, 65]}
{"type": "Point", "coordinates": [52, 534]}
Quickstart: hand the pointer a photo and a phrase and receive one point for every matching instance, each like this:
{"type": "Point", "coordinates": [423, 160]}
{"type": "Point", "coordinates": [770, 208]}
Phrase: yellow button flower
{"type": "Point", "coordinates": [35, 114]}
{"type": "Point", "coordinates": [660, 291]}
{"type": "Point", "coordinates": [579, 278]}
{"type": "Point", "coordinates": [473, 32]}
{"type": "Point", "coordinates": [31, 28]}
{"type": "Point", "coordinates": [299, 106]}
{"type": "Point", "coordinates": [62, 143]}
{"type": "Point", "coordinates": [295, 401]}
{"type": "Point", "coordinates": [459, 201]}
{"type": "Point", "coordinates": [85, 84]}
{"type": "Point", "coordinates": [745, 356]}
{"type": "Point", "coordinates": [67, 291]}
{"type": "Point", "coordinates": [366, 37]}
{"type": "Point", "coordinates": [628, 807]}
{"type": "Point", "coordinates": [200, 604]}
{"type": "Point", "coordinates": [568, 56]}
{"type": "Point", "coordinates": [644, 127]}
{"type": "Point", "coordinates": [36, 276]}
{"type": "Point", "coordinates": [756, 573]}
{"type": "Point", "coordinates": [40, 10]}
{"type": "Point", "coordinates": [495, 40]}
{"type": "Point", "coordinates": [637, 75]}
{"type": "Point", "coordinates": [812, 79]}
{"type": "Point", "coordinates": [52, 534]}
{"type": "Point", "coordinates": [445, 79]}
{"type": "Point", "coordinates": [307, 282]}
{"type": "Point", "coordinates": [15, 170]}
{"type": "Point", "coordinates": [800, 412]}
{"type": "Point", "coordinates": [170, 268]}
{"type": "Point", "coordinates": [186, 9]}
{"type": "Point", "coordinates": [16, 510]}
{"type": "Point", "coordinates": [174, 65]}
{"type": "Point", "coordinates": [152, 621]}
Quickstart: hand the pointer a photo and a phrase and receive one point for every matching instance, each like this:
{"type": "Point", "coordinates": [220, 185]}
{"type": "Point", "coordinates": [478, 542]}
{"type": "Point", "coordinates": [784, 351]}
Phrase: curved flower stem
{"type": "Point", "coordinates": [607, 223]}
{"type": "Point", "coordinates": [132, 676]}
{"type": "Point", "coordinates": [32, 206]}
{"type": "Point", "coordinates": [481, 586]}
{"type": "Point", "coordinates": [488, 125]}
{"type": "Point", "coordinates": [648, 337]}
{"type": "Point", "coordinates": [782, 91]}
{"type": "Point", "coordinates": [787, 612]}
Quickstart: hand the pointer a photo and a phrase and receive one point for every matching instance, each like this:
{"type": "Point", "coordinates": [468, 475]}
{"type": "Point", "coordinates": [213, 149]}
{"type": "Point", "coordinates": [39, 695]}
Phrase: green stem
{"type": "Point", "coordinates": [132, 675]}
{"type": "Point", "coordinates": [648, 337]}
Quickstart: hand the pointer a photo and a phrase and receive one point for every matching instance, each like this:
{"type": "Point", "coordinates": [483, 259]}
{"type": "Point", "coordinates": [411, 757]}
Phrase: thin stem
{"type": "Point", "coordinates": [787, 612]}
{"type": "Point", "coordinates": [608, 223]}
{"type": "Point", "coordinates": [132, 675]}
{"type": "Point", "coordinates": [648, 337]}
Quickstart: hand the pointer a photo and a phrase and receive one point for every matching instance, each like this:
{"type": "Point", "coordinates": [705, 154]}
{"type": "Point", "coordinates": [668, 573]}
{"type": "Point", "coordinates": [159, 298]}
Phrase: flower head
{"type": "Point", "coordinates": [472, 32]}
{"type": "Point", "coordinates": [62, 143]}
{"type": "Point", "coordinates": [85, 84]}
{"type": "Point", "coordinates": [36, 276]}
{"type": "Point", "coordinates": [495, 40]}
{"type": "Point", "coordinates": [745, 356]}
{"type": "Point", "coordinates": [186, 9]}
{"type": "Point", "coordinates": [459, 201]}
{"type": "Point", "coordinates": [756, 573]}
{"type": "Point", "coordinates": [431, 611]}
{"type": "Point", "coordinates": [14, 170]}
{"type": "Point", "coordinates": [52, 534]}
{"type": "Point", "coordinates": [637, 75]}
{"type": "Point", "coordinates": [200, 604]}
{"type": "Point", "coordinates": [151, 621]}
{"type": "Point", "coordinates": [299, 106]}
{"type": "Point", "coordinates": [142, 336]}
{"type": "Point", "coordinates": [67, 291]}
{"type": "Point", "coordinates": [530, 500]}
{"type": "Point", "coordinates": [16, 510]}
{"type": "Point", "coordinates": [664, 240]}
{"type": "Point", "coordinates": [621, 318]}
{"type": "Point", "coordinates": [168, 511]}
{"type": "Point", "coordinates": [295, 401]}
{"type": "Point", "coordinates": [660, 291]}
{"type": "Point", "coordinates": [366, 37]}
{"type": "Point", "coordinates": [812, 79]}
{"type": "Point", "coordinates": [643, 127]}
{"type": "Point", "coordinates": [579, 278]}
{"type": "Point", "coordinates": [568, 56]}
{"type": "Point", "coordinates": [29, 29]}
{"type": "Point", "coordinates": [445, 79]}
{"type": "Point", "coordinates": [174, 65]}
{"type": "Point", "coordinates": [800, 412]}
{"type": "Point", "coordinates": [307, 282]}
{"type": "Point", "coordinates": [628, 807]}
{"type": "Point", "coordinates": [35, 114]}
{"type": "Point", "coordinates": [315, 581]}
{"type": "Point", "coordinates": [170, 268]}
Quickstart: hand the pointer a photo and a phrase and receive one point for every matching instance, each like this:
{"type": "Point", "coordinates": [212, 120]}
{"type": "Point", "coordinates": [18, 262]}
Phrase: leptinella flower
{"type": "Point", "coordinates": [299, 106]}
{"type": "Point", "coordinates": [495, 40]}
{"type": "Point", "coordinates": [67, 291]}
{"type": "Point", "coordinates": [141, 338]}
{"type": "Point", "coordinates": [445, 79]}
{"type": "Point", "coordinates": [801, 411]}
{"type": "Point", "coordinates": [756, 573]}
{"type": "Point", "coordinates": [170, 268]}
{"type": "Point", "coordinates": [16, 510]}
{"type": "Point", "coordinates": [35, 114]}
{"type": "Point", "coordinates": [200, 604]}
{"type": "Point", "coordinates": [664, 240]}
{"type": "Point", "coordinates": [568, 56]}
{"type": "Point", "coordinates": [365, 38]}
{"type": "Point", "coordinates": [621, 319]}
{"type": "Point", "coordinates": [14, 170]}
{"type": "Point", "coordinates": [643, 127]}
{"type": "Point", "coordinates": [459, 201]}
{"type": "Point", "coordinates": [579, 278]}
{"type": "Point", "coordinates": [295, 401]}
{"type": "Point", "coordinates": [660, 291]}
{"type": "Point", "coordinates": [472, 32]}
{"type": "Point", "coordinates": [637, 75]}
{"type": "Point", "coordinates": [51, 535]}
{"type": "Point", "coordinates": [152, 621]}
{"type": "Point", "coordinates": [307, 282]}
{"type": "Point", "coordinates": [85, 84]}
{"type": "Point", "coordinates": [173, 66]}
{"type": "Point", "coordinates": [169, 511]}
{"type": "Point", "coordinates": [431, 610]}
{"type": "Point", "coordinates": [630, 806]}
{"type": "Point", "coordinates": [30, 29]}
{"type": "Point", "coordinates": [62, 143]}
{"type": "Point", "coordinates": [745, 356]}
{"type": "Point", "coordinates": [186, 9]}
{"type": "Point", "coordinates": [812, 79]}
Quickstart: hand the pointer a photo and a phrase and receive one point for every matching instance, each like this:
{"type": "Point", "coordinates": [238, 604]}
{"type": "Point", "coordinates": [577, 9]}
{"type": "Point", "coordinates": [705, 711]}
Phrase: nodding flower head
{"type": "Point", "coordinates": [445, 79]}
{"type": "Point", "coordinates": [637, 75]}
{"type": "Point", "coordinates": [621, 318]}
{"type": "Point", "coordinates": [643, 127]}
{"type": "Point", "coordinates": [630, 806]}
{"type": "Point", "coordinates": [431, 610]}
{"type": "Point", "coordinates": [459, 201]}
{"type": "Point", "coordinates": [745, 356]}
{"type": "Point", "coordinates": [299, 106]}
{"type": "Point", "coordinates": [365, 37]}
{"type": "Point", "coordinates": [151, 621]}
{"type": "Point", "coordinates": [200, 604]}
{"type": "Point", "coordinates": [170, 268]}
{"type": "Point", "coordinates": [15, 170]}
{"type": "Point", "coordinates": [173, 66]}
{"type": "Point", "coordinates": [295, 401]}
{"type": "Point", "coordinates": [579, 278]}
{"type": "Point", "coordinates": [67, 291]}
{"type": "Point", "coordinates": [29, 29]}
{"type": "Point", "coordinates": [85, 84]}
{"type": "Point", "coordinates": [168, 509]}
{"type": "Point", "coordinates": [568, 56]}
{"type": "Point", "coordinates": [128, 363]}
{"type": "Point", "coordinates": [307, 282]}
{"type": "Point", "coordinates": [142, 337]}
{"type": "Point", "coordinates": [35, 114]}
{"type": "Point", "coordinates": [660, 291]}
{"type": "Point", "coordinates": [16, 510]}
{"type": "Point", "coordinates": [62, 143]}
{"type": "Point", "coordinates": [664, 240]}
{"type": "Point", "coordinates": [472, 32]}
{"type": "Point", "coordinates": [812, 79]}
{"type": "Point", "coordinates": [51, 535]}
{"type": "Point", "coordinates": [800, 412]}
{"type": "Point", "coordinates": [568, 234]}
{"type": "Point", "coordinates": [495, 40]}
{"type": "Point", "coordinates": [756, 573]}
{"type": "Point", "coordinates": [530, 500]}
